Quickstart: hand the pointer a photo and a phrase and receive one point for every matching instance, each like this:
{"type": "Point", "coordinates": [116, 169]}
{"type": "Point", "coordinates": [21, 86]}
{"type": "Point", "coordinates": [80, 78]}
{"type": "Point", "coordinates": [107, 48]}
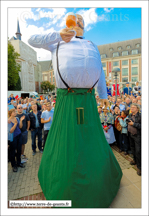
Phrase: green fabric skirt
{"type": "Point", "coordinates": [77, 162]}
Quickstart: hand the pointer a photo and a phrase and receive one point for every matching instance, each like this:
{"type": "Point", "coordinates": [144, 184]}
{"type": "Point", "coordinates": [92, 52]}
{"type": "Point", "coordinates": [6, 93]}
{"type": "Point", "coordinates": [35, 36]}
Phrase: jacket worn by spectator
{"type": "Point", "coordinates": [123, 124]}
{"type": "Point", "coordinates": [33, 120]}
{"type": "Point", "coordinates": [137, 122]}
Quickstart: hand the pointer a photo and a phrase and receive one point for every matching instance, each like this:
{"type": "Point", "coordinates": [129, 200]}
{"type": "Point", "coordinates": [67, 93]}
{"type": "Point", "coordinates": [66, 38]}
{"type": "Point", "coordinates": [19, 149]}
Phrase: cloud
{"type": "Point", "coordinates": [108, 10]}
{"type": "Point", "coordinates": [55, 15]}
{"type": "Point", "coordinates": [89, 16]}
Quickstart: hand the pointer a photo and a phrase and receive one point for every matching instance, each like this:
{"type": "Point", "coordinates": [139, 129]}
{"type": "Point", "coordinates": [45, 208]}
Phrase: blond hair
{"type": "Point", "coordinates": [10, 112]}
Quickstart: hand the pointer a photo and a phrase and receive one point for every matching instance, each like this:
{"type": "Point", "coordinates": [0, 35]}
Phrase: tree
{"type": "Point", "coordinates": [18, 85]}
{"type": "Point", "coordinates": [13, 67]}
{"type": "Point", "coordinates": [47, 86]}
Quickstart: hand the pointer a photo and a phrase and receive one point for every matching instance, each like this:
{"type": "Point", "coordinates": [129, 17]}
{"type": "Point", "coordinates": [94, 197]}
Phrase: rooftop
{"type": "Point", "coordinates": [120, 46]}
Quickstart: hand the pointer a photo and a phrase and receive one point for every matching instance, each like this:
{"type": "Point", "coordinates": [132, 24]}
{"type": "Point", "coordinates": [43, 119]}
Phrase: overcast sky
{"type": "Point", "coordinates": [102, 25]}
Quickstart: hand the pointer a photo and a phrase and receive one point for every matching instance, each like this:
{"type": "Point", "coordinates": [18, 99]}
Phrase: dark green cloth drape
{"type": "Point", "coordinates": [77, 162]}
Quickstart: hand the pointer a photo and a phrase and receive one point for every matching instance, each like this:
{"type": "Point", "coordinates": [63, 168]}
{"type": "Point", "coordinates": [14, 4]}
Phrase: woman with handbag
{"type": "Point", "coordinates": [14, 125]}
{"type": "Point", "coordinates": [123, 138]}
{"type": "Point", "coordinates": [107, 120]}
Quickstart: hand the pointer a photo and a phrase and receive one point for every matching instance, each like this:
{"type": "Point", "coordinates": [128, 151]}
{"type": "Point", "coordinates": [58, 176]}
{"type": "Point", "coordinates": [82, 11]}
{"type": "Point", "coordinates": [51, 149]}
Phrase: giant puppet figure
{"type": "Point", "coordinates": [77, 163]}
{"type": "Point", "coordinates": [127, 90]}
{"type": "Point", "coordinates": [108, 89]}
{"type": "Point", "coordinates": [137, 89]}
{"type": "Point", "coordinates": [114, 89]}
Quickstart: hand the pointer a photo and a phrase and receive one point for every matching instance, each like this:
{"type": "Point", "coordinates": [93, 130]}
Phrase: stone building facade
{"type": "Point", "coordinates": [27, 60]}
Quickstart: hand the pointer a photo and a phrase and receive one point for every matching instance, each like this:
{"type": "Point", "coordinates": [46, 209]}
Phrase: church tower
{"type": "Point", "coordinates": [18, 34]}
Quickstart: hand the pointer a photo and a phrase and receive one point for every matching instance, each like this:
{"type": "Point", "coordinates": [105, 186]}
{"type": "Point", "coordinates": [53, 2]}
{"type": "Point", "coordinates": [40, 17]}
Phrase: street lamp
{"type": "Point", "coordinates": [115, 72]}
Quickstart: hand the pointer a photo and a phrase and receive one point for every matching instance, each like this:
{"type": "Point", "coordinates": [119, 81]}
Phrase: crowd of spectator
{"type": "Point", "coordinates": [32, 114]}
{"type": "Point", "coordinates": [121, 123]}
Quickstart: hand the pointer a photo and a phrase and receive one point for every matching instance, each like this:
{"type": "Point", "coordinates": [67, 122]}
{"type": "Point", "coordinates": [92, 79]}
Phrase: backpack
{"type": "Point", "coordinates": [117, 125]}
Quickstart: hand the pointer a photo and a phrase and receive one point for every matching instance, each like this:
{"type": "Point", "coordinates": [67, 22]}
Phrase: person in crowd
{"type": "Point", "coordinates": [46, 119]}
{"type": "Point", "coordinates": [15, 104]}
{"type": "Point", "coordinates": [11, 97]}
{"type": "Point", "coordinates": [135, 100]}
{"type": "Point", "coordinates": [38, 105]}
{"type": "Point", "coordinates": [24, 130]}
{"type": "Point", "coordinates": [137, 89]}
{"type": "Point", "coordinates": [45, 101]}
{"type": "Point", "coordinates": [14, 127]}
{"type": "Point", "coordinates": [139, 104]}
{"type": "Point", "coordinates": [127, 90]}
{"type": "Point", "coordinates": [113, 103]}
{"type": "Point", "coordinates": [127, 103]}
{"type": "Point", "coordinates": [138, 97]}
{"type": "Point", "coordinates": [107, 120]}
{"type": "Point", "coordinates": [30, 108]}
{"type": "Point", "coordinates": [36, 128]}
{"type": "Point", "coordinates": [44, 107]}
{"type": "Point", "coordinates": [110, 100]}
{"type": "Point", "coordinates": [120, 105]}
{"type": "Point", "coordinates": [97, 100]}
{"type": "Point", "coordinates": [123, 137]}
{"type": "Point", "coordinates": [134, 129]}
{"type": "Point", "coordinates": [116, 113]}
{"type": "Point", "coordinates": [99, 110]}
{"type": "Point", "coordinates": [41, 103]}
{"type": "Point", "coordinates": [53, 105]}
{"type": "Point", "coordinates": [24, 106]}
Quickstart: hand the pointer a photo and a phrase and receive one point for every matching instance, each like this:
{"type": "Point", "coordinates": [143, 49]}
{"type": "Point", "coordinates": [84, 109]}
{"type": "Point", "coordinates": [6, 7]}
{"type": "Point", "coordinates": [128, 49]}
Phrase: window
{"type": "Point", "coordinates": [134, 79]}
{"type": "Point", "coordinates": [53, 80]}
{"type": "Point", "coordinates": [50, 79]}
{"type": "Point", "coordinates": [125, 62]}
{"type": "Point", "coordinates": [53, 73]}
{"type": "Point", "coordinates": [134, 52]}
{"type": "Point", "coordinates": [134, 70]}
{"type": "Point", "coordinates": [124, 53]}
{"type": "Point", "coordinates": [115, 54]}
{"type": "Point", "coordinates": [45, 78]}
{"type": "Point", "coordinates": [128, 47]}
{"type": "Point", "coordinates": [124, 71]}
{"type": "Point", "coordinates": [137, 45]}
{"type": "Point", "coordinates": [103, 55]}
{"type": "Point", "coordinates": [119, 48]}
{"type": "Point", "coordinates": [125, 79]}
{"type": "Point", "coordinates": [133, 85]}
{"type": "Point", "coordinates": [134, 61]}
{"type": "Point", "coordinates": [105, 73]}
{"type": "Point", "coordinates": [111, 49]}
{"type": "Point", "coordinates": [116, 63]}
{"type": "Point", "coordinates": [103, 64]}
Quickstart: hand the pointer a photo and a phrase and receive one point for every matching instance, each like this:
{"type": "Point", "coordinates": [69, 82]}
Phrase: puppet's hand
{"type": "Point", "coordinates": [66, 35]}
{"type": "Point", "coordinates": [104, 102]}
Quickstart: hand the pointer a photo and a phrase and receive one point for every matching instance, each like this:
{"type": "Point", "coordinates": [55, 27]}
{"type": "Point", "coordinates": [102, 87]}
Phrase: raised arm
{"type": "Point", "coordinates": [101, 86]}
{"type": "Point", "coordinates": [47, 41]}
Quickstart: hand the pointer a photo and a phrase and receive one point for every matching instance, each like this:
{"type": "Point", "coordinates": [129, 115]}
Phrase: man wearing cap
{"type": "Point", "coordinates": [76, 148]}
{"type": "Point", "coordinates": [127, 90]}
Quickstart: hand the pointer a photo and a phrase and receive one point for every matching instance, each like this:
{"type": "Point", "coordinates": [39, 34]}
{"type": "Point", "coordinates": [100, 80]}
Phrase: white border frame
{"type": "Point", "coordinates": [80, 4]}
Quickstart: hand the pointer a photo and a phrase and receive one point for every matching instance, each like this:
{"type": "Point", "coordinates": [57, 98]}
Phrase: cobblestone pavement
{"type": "Point", "coordinates": [24, 184]}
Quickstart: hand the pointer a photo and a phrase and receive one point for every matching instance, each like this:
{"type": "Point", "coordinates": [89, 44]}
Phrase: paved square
{"type": "Point", "coordinates": [24, 184]}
